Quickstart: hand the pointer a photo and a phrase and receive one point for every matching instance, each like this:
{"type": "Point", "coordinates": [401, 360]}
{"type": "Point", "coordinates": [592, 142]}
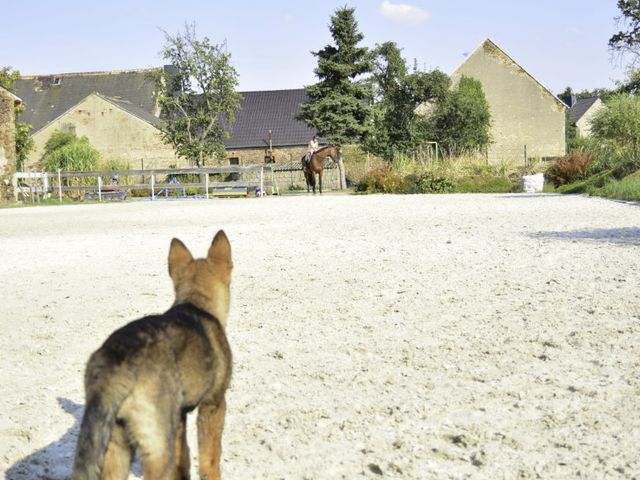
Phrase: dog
{"type": "Point", "coordinates": [145, 378]}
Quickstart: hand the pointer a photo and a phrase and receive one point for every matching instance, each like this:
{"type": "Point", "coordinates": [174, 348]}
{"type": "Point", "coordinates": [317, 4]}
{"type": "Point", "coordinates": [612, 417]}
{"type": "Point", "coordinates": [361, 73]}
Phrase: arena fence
{"type": "Point", "coordinates": [156, 184]}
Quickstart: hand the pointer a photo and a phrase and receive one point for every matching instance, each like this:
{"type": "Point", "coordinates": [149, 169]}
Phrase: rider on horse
{"type": "Point", "coordinates": [311, 149]}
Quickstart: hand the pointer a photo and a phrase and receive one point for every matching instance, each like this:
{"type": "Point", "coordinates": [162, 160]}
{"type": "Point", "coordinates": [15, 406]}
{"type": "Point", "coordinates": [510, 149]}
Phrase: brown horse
{"type": "Point", "coordinates": [316, 165]}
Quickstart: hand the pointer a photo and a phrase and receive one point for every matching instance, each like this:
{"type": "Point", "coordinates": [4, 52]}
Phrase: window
{"type": "Point", "coordinates": [56, 81]}
{"type": "Point", "coordinates": [269, 159]}
{"type": "Point", "coordinates": [234, 161]}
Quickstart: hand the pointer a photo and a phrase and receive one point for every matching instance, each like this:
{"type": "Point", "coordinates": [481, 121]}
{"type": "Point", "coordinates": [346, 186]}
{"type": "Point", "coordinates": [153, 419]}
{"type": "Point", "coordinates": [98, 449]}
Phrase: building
{"type": "Point", "coordinates": [119, 113]}
{"type": "Point", "coordinates": [527, 120]}
{"type": "Point", "coordinates": [582, 112]}
{"type": "Point", "coordinates": [266, 128]}
{"type": "Point", "coordinates": [8, 102]}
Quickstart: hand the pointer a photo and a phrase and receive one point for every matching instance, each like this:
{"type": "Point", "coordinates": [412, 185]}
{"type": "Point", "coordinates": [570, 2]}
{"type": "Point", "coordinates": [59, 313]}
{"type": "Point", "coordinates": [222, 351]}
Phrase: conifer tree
{"type": "Point", "coordinates": [339, 104]}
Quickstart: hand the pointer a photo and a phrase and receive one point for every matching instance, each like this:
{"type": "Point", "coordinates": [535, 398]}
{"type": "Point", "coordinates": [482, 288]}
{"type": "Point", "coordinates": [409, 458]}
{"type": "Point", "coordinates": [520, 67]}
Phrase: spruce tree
{"type": "Point", "coordinates": [339, 104]}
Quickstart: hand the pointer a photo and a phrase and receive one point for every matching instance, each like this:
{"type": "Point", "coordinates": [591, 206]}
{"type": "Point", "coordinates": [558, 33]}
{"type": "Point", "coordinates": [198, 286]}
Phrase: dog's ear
{"type": "Point", "coordinates": [220, 249]}
{"type": "Point", "coordinates": [179, 256]}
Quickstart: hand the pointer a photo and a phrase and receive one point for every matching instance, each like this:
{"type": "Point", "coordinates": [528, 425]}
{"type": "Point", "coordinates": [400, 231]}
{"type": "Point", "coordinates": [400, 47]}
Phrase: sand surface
{"type": "Point", "coordinates": [417, 337]}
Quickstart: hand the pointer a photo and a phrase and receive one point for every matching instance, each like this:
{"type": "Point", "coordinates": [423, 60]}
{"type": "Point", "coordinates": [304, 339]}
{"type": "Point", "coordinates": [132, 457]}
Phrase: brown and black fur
{"type": "Point", "coordinates": [149, 374]}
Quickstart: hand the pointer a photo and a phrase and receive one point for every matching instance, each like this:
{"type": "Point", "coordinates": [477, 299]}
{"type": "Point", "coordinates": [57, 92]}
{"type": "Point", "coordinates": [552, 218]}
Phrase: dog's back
{"type": "Point", "coordinates": [148, 374]}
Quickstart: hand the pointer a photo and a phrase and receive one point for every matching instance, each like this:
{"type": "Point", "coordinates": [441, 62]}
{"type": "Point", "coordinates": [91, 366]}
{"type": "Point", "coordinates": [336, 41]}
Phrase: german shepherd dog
{"type": "Point", "coordinates": [145, 378]}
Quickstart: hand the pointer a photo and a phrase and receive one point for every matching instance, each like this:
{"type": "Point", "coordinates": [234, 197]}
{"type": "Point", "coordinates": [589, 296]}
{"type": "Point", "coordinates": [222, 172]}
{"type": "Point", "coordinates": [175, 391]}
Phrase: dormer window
{"type": "Point", "coordinates": [56, 81]}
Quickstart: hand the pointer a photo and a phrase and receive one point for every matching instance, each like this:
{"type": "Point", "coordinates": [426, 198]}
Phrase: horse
{"type": "Point", "coordinates": [316, 164]}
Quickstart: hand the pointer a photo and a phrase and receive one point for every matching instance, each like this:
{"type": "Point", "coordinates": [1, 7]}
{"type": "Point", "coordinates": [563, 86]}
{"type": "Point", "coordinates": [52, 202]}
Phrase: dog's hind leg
{"type": "Point", "coordinates": [117, 460]}
{"type": "Point", "coordinates": [182, 450]}
{"type": "Point", "coordinates": [153, 429]}
{"type": "Point", "coordinates": [210, 424]}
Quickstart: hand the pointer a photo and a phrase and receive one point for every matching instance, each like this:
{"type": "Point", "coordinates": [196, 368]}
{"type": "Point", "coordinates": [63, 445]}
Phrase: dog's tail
{"type": "Point", "coordinates": [95, 432]}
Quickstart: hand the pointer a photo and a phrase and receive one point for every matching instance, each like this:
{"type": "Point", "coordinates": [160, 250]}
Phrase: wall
{"type": "Point", "coordinates": [583, 126]}
{"type": "Point", "coordinates": [523, 112]}
{"type": "Point", "coordinates": [114, 132]}
{"type": "Point", "coordinates": [7, 144]}
{"type": "Point", "coordinates": [249, 156]}
{"type": "Point", "coordinates": [7, 130]}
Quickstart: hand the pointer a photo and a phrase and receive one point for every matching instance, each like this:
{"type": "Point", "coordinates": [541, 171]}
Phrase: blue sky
{"type": "Point", "coordinates": [561, 42]}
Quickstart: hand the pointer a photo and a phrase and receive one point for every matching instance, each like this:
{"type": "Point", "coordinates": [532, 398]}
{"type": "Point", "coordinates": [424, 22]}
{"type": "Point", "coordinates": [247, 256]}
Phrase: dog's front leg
{"type": "Point", "coordinates": [210, 424]}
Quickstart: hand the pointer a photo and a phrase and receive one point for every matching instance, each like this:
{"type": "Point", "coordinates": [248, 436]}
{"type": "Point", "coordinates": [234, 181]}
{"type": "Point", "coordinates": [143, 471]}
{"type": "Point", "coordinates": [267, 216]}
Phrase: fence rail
{"type": "Point", "coordinates": [33, 185]}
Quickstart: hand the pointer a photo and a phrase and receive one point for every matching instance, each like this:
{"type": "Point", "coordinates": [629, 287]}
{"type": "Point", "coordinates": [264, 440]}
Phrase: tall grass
{"type": "Point", "coordinates": [466, 174]}
{"type": "Point", "coordinates": [626, 189]}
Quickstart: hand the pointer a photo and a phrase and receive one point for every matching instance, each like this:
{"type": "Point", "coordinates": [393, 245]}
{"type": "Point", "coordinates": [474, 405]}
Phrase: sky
{"type": "Point", "coordinates": [561, 43]}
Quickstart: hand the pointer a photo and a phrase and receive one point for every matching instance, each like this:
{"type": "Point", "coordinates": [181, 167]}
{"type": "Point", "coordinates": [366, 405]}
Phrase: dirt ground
{"type": "Point", "coordinates": [415, 337]}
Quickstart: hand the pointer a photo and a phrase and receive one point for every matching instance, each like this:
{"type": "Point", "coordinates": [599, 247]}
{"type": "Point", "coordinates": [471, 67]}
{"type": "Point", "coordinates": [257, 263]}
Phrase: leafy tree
{"type": "Point", "coordinates": [339, 104]}
{"type": "Point", "coordinates": [8, 76]}
{"type": "Point", "coordinates": [398, 128]}
{"type": "Point", "coordinates": [462, 119]}
{"type": "Point", "coordinates": [619, 123]}
{"type": "Point", "coordinates": [627, 40]}
{"type": "Point", "coordinates": [198, 98]}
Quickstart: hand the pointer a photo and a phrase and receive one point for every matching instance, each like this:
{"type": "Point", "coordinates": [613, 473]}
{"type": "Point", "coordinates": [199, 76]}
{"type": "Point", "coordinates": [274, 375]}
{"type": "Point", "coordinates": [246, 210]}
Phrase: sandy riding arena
{"type": "Point", "coordinates": [414, 337]}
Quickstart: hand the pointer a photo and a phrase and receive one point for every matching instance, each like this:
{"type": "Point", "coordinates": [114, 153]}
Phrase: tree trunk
{"type": "Point", "coordinates": [343, 178]}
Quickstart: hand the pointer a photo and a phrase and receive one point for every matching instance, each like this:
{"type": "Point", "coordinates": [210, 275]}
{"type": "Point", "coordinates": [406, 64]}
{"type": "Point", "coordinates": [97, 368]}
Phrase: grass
{"type": "Point", "coordinates": [626, 189]}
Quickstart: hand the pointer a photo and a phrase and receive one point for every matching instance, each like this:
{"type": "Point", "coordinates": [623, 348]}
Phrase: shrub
{"type": "Point", "coordinates": [77, 156]}
{"type": "Point", "coordinates": [619, 122]}
{"type": "Point", "coordinates": [484, 184]}
{"type": "Point", "coordinates": [57, 140]}
{"type": "Point", "coordinates": [569, 168]}
{"type": "Point", "coordinates": [380, 180]}
{"type": "Point", "coordinates": [626, 189]}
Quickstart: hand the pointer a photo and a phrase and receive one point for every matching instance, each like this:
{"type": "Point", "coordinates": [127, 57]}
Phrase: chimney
{"type": "Point", "coordinates": [574, 99]}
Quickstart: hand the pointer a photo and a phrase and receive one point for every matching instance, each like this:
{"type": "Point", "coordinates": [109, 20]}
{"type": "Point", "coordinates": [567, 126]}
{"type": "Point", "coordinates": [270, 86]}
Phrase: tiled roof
{"type": "Point", "coordinates": [133, 110]}
{"type": "Point", "coordinates": [581, 106]}
{"type": "Point", "coordinates": [273, 110]}
{"type": "Point", "coordinates": [46, 97]}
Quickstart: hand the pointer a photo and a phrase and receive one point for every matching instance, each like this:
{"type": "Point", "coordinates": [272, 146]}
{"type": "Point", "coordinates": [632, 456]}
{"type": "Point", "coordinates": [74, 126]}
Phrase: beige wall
{"type": "Point", "coordinates": [523, 112]}
{"type": "Point", "coordinates": [583, 126]}
{"type": "Point", "coordinates": [114, 132]}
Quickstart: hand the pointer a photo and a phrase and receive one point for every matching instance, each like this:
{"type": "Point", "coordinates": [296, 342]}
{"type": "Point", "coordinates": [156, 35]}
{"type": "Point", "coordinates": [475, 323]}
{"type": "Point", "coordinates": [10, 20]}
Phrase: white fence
{"type": "Point", "coordinates": [118, 184]}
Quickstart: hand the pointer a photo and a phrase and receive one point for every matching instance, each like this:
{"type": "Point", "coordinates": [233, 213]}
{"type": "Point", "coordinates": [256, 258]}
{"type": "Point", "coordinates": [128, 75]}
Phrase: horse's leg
{"type": "Point", "coordinates": [320, 180]}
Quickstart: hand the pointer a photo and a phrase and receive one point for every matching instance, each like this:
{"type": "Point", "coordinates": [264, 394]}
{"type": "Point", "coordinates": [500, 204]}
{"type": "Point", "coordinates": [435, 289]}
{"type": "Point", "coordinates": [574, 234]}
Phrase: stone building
{"type": "Point", "coordinates": [527, 120]}
{"type": "Point", "coordinates": [582, 112]}
{"type": "Point", "coordinates": [266, 128]}
{"type": "Point", "coordinates": [119, 113]}
{"type": "Point", "coordinates": [8, 102]}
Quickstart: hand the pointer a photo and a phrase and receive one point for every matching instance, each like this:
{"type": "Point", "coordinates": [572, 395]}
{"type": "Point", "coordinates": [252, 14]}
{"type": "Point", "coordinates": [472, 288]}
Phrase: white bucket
{"type": "Point", "coordinates": [533, 183]}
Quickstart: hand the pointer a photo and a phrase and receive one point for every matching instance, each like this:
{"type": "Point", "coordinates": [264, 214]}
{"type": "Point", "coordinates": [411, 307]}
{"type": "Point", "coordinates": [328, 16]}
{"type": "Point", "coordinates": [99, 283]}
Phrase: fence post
{"type": "Point", "coordinates": [153, 184]}
{"type": "Point", "coordinates": [262, 192]}
{"type": "Point", "coordinates": [206, 185]}
{"type": "Point", "coordinates": [59, 187]}
{"type": "Point", "coordinates": [99, 188]}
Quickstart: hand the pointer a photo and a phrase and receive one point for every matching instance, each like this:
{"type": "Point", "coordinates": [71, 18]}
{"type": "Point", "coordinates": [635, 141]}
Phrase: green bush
{"type": "Point", "coordinates": [484, 184]}
{"type": "Point", "coordinates": [64, 151]}
{"type": "Point", "coordinates": [387, 180]}
{"type": "Point", "coordinates": [380, 180]}
{"type": "Point", "coordinates": [77, 156]}
{"type": "Point", "coordinates": [619, 123]}
{"type": "Point", "coordinates": [569, 168]}
{"type": "Point", "coordinates": [626, 189]}
{"type": "Point", "coordinates": [57, 140]}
